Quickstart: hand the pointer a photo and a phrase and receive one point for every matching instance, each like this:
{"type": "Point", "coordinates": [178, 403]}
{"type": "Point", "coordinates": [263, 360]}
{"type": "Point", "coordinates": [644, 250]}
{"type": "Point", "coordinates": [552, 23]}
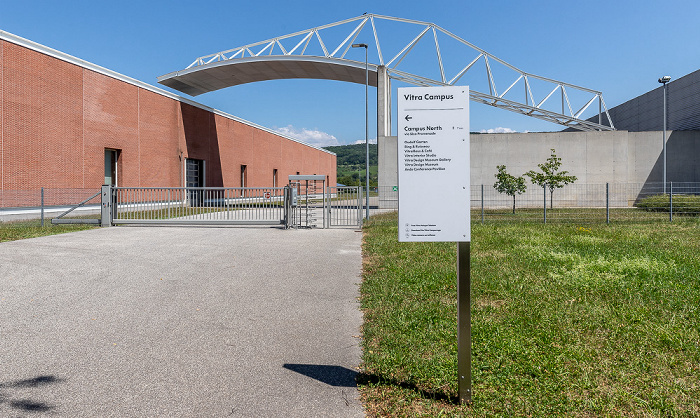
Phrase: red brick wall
{"type": "Point", "coordinates": [2, 112]}
{"type": "Point", "coordinates": [57, 118]}
{"type": "Point", "coordinates": [42, 120]}
{"type": "Point", "coordinates": [159, 123]}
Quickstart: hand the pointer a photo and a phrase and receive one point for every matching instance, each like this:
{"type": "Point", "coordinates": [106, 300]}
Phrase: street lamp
{"type": "Point", "coordinates": [366, 130]}
{"type": "Point", "coordinates": [663, 80]}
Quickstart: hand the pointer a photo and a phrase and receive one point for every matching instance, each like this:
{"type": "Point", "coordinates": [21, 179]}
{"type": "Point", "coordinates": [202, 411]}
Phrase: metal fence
{"type": "Point", "coordinates": [579, 202]}
{"type": "Point", "coordinates": [40, 205]}
{"type": "Point", "coordinates": [583, 203]}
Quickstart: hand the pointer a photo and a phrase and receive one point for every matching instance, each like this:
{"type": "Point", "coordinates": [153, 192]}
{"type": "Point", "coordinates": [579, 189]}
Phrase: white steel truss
{"type": "Point", "coordinates": [471, 61]}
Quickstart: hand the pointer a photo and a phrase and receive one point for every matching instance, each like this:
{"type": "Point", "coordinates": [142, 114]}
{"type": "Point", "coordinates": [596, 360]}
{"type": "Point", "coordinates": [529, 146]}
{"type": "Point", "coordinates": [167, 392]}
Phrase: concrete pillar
{"type": "Point", "coordinates": [383, 102]}
{"type": "Point", "coordinates": [387, 146]}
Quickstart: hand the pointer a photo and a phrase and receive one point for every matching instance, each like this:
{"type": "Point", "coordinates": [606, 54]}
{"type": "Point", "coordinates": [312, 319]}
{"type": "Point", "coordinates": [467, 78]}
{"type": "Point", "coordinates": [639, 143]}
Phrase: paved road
{"type": "Point", "coordinates": [195, 322]}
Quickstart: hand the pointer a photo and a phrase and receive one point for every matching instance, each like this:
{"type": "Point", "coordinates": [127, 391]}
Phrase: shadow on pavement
{"type": "Point", "coordinates": [27, 405]}
{"type": "Point", "coordinates": [330, 375]}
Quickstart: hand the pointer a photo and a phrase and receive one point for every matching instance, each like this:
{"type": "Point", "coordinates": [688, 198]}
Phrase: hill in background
{"type": "Point", "coordinates": [351, 164]}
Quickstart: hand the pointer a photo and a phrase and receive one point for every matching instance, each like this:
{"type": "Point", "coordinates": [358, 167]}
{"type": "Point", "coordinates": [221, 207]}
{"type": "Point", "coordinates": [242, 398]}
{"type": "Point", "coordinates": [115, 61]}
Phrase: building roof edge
{"type": "Point", "coordinates": [26, 43]}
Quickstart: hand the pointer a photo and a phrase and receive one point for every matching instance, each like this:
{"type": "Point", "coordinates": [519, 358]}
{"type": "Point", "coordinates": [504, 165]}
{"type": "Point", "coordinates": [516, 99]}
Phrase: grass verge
{"type": "Point", "coordinates": [13, 231]}
{"type": "Point", "coordinates": [567, 320]}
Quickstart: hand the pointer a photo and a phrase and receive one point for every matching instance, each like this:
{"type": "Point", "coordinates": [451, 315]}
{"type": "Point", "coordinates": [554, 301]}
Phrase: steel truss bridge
{"type": "Point", "coordinates": [414, 52]}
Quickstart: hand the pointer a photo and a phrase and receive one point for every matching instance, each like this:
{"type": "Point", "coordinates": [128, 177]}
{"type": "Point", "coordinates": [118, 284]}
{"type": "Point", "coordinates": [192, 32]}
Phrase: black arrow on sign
{"type": "Point", "coordinates": [408, 118]}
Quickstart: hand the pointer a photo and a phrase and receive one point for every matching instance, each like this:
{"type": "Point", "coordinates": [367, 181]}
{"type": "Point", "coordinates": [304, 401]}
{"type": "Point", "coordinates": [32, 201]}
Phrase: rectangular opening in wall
{"type": "Point", "coordinates": [244, 175]}
{"type": "Point", "coordinates": [111, 167]}
{"type": "Point", "coordinates": [194, 177]}
{"type": "Point", "coordinates": [194, 172]}
{"type": "Point", "coordinates": [274, 177]}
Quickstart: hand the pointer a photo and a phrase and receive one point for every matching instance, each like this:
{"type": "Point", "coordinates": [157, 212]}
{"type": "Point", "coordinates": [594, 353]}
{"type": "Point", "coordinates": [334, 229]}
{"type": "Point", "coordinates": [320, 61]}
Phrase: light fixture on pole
{"type": "Point", "coordinates": [366, 130]}
{"type": "Point", "coordinates": [663, 80]}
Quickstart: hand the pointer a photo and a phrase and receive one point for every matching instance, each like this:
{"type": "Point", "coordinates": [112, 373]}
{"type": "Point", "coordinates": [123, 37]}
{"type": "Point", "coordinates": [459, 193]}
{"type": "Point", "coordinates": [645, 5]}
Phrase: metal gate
{"type": "Point", "coordinates": [344, 206]}
{"type": "Point", "coordinates": [307, 204]}
{"type": "Point", "coordinates": [198, 205]}
{"type": "Point", "coordinates": [299, 205]}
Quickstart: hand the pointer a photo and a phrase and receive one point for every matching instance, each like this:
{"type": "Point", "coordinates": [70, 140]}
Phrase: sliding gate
{"type": "Point", "coordinates": [198, 205]}
{"type": "Point", "coordinates": [292, 206]}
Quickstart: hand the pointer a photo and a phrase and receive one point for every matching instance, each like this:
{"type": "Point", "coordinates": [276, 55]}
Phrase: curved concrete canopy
{"type": "Point", "coordinates": [221, 74]}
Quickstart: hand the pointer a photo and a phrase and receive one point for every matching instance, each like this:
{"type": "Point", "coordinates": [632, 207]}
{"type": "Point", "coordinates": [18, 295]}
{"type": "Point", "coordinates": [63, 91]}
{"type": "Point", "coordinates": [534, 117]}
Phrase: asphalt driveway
{"type": "Point", "coordinates": [181, 322]}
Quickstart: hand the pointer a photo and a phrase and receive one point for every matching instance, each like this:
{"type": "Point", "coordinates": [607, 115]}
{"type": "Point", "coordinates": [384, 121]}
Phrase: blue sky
{"type": "Point", "coordinates": [617, 47]}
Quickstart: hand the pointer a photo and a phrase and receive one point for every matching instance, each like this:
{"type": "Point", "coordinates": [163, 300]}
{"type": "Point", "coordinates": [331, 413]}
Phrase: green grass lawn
{"type": "Point", "coordinates": [12, 231]}
{"type": "Point", "coordinates": [567, 320]}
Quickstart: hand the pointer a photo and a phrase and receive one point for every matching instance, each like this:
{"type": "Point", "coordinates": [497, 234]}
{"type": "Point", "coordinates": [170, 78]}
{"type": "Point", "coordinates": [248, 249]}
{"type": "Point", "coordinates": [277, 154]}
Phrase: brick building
{"type": "Point", "coordinates": [66, 123]}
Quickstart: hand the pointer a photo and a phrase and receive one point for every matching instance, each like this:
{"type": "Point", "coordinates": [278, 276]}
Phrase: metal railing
{"type": "Point", "coordinates": [43, 204]}
{"type": "Point", "coordinates": [198, 205]}
{"type": "Point", "coordinates": [586, 203]}
{"type": "Point", "coordinates": [579, 202]}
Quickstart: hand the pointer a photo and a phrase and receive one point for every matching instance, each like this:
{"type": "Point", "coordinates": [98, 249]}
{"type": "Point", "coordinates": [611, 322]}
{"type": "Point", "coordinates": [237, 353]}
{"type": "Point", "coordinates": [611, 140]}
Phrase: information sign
{"type": "Point", "coordinates": [433, 166]}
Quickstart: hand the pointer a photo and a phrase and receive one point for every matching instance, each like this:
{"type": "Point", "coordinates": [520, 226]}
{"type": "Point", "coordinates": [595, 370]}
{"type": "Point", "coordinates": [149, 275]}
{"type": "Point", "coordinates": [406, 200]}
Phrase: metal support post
{"type": "Point", "coordinates": [464, 323]}
{"type": "Point", "coordinates": [670, 202]}
{"type": "Point", "coordinates": [544, 188]}
{"type": "Point", "coordinates": [327, 202]}
{"type": "Point", "coordinates": [114, 203]}
{"type": "Point", "coordinates": [664, 139]}
{"type": "Point", "coordinates": [42, 206]}
{"type": "Point", "coordinates": [359, 205]}
{"type": "Point", "coordinates": [366, 135]}
{"type": "Point", "coordinates": [106, 212]}
{"type": "Point", "coordinates": [482, 204]}
{"type": "Point", "coordinates": [607, 203]}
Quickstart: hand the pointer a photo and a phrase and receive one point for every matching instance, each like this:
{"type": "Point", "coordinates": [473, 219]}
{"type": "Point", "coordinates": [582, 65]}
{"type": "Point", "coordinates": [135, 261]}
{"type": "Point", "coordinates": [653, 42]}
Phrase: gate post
{"type": "Point", "coordinates": [106, 212]}
{"type": "Point", "coordinates": [287, 205]}
{"type": "Point", "coordinates": [327, 203]}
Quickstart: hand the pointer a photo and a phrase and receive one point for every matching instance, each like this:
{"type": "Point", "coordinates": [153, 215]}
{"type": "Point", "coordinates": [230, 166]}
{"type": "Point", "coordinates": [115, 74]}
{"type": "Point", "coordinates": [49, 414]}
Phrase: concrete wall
{"type": "Point", "coordinates": [594, 157]}
{"type": "Point", "coordinates": [59, 114]}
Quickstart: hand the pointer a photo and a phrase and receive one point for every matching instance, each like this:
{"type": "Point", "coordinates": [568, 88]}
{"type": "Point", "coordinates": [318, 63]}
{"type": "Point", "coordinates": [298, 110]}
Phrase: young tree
{"type": "Point", "coordinates": [509, 184]}
{"type": "Point", "coordinates": [550, 176]}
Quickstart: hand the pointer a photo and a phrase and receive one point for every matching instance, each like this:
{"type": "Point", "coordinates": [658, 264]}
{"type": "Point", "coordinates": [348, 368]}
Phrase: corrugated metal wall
{"type": "Point", "coordinates": [645, 113]}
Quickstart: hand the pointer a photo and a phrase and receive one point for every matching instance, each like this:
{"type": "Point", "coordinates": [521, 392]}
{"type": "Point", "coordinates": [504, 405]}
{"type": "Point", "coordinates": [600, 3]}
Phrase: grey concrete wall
{"type": "Point", "coordinates": [618, 157]}
{"type": "Point", "coordinates": [594, 157]}
{"type": "Point", "coordinates": [388, 175]}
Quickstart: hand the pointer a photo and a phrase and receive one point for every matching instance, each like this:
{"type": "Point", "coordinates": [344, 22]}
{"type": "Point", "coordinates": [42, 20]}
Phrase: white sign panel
{"type": "Point", "coordinates": [433, 141]}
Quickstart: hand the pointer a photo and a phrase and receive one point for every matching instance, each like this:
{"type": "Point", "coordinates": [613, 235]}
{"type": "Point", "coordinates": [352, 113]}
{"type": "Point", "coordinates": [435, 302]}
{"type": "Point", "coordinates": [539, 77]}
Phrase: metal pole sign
{"type": "Point", "coordinates": [433, 140]}
{"type": "Point", "coordinates": [434, 192]}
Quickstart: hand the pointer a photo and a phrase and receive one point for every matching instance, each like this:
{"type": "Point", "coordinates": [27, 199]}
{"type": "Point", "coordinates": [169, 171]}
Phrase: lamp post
{"type": "Point", "coordinates": [366, 131]}
{"type": "Point", "coordinates": [663, 80]}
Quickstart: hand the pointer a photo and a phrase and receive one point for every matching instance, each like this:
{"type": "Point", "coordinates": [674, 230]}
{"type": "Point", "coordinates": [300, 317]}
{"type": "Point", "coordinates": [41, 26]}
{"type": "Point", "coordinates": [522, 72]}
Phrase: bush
{"type": "Point", "coordinates": [682, 204]}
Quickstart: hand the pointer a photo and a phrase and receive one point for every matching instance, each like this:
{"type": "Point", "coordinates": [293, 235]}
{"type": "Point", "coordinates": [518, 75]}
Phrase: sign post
{"type": "Point", "coordinates": [434, 193]}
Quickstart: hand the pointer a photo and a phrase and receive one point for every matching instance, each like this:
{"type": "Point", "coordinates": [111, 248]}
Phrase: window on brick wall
{"type": "Point", "coordinates": [274, 177]}
{"type": "Point", "coordinates": [111, 167]}
{"type": "Point", "coordinates": [244, 176]}
{"type": "Point", "coordinates": [194, 177]}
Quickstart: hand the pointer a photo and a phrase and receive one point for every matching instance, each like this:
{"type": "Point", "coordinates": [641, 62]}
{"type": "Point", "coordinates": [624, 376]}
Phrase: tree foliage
{"type": "Point", "coordinates": [351, 164]}
{"type": "Point", "coordinates": [509, 184]}
{"type": "Point", "coordinates": [550, 176]}
{"type": "Point", "coordinates": [354, 154]}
